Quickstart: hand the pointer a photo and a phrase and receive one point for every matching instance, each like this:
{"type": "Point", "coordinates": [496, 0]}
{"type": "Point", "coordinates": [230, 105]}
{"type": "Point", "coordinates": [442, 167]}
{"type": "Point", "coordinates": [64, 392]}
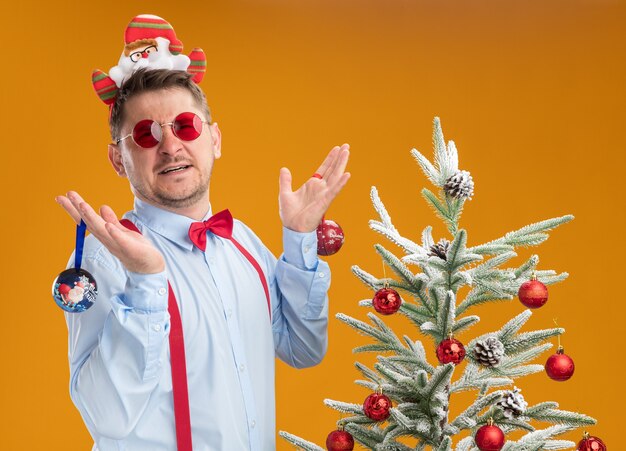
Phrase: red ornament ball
{"type": "Point", "coordinates": [450, 350]}
{"type": "Point", "coordinates": [560, 366]}
{"type": "Point", "coordinates": [387, 301]}
{"type": "Point", "coordinates": [489, 438]}
{"type": "Point", "coordinates": [329, 237]}
{"type": "Point", "coordinates": [533, 294]}
{"type": "Point", "coordinates": [376, 406]}
{"type": "Point", "coordinates": [591, 443]}
{"type": "Point", "coordinates": [339, 440]}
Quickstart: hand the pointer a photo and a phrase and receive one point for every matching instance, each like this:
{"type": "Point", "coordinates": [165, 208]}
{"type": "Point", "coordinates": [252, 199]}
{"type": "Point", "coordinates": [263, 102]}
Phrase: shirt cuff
{"type": "Point", "coordinates": [146, 292]}
{"type": "Point", "coordinates": [300, 248]}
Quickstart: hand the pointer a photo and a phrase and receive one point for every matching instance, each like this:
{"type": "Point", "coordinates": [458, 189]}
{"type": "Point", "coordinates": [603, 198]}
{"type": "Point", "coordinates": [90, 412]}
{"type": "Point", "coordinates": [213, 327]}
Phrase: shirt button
{"type": "Point", "coordinates": [212, 260]}
{"type": "Point", "coordinates": [307, 248]}
{"type": "Point", "coordinates": [242, 367]}
{"type": "Point", "coordinates": [162, 291]}
{"type": "Point", "coordinates": [229, 313]}
{"type": "Point", "coordinates": [252, 424]}
{"type": "Point", "coordinates": [157, 327]}
{"type": "Point", "coordinates": [322, 274]}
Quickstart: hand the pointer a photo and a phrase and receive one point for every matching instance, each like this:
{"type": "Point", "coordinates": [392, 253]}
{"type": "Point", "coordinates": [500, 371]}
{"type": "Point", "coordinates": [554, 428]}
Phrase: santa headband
{"type": "Point", "coordinates": [149, 42]}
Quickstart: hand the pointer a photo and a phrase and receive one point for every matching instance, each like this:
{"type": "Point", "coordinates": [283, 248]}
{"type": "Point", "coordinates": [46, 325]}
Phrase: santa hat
{"type": "Point", "coordinates": [147, 26]}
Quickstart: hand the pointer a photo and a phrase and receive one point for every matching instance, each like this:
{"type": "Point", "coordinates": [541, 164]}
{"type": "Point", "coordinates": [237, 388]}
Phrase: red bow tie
{"type": "Point", "coordinates": [221, 224]}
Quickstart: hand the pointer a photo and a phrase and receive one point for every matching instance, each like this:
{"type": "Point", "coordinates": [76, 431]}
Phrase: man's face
{"type": "Point", "coordinates": [149, 170]}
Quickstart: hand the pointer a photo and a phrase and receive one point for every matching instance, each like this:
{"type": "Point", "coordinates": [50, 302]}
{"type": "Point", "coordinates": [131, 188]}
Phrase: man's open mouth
{"type": "Point", "coordinates": [174, 169]}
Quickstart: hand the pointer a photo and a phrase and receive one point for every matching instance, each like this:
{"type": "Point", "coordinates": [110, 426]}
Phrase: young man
{"type": "Point", "coordinates": [165, 144]}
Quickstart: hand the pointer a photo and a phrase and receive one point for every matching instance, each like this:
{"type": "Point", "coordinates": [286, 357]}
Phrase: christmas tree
{"type": "Point", "coordinates": [408, 408]}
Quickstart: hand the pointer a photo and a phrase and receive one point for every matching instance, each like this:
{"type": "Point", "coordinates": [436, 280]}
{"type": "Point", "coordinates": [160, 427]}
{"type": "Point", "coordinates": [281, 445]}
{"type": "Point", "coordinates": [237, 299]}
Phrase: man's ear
{"type": "Point", "coordinates": [216, 140]}
{"type": "Point", "coordinates": [115, 157]}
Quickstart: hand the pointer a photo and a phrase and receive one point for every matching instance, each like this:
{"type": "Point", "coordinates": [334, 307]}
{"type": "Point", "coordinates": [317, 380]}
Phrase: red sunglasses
{"type": "Point", "coordinates": [148, 133]}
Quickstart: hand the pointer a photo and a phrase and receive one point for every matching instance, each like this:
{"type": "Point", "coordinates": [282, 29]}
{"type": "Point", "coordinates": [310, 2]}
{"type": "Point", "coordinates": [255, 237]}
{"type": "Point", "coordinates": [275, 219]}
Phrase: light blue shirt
{"type": "Point", "coordinates": [120, 377]}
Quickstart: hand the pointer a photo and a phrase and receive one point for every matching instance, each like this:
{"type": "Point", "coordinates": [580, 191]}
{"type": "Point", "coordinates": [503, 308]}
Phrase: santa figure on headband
{"type": "Point", "coordinates": [150, 42]}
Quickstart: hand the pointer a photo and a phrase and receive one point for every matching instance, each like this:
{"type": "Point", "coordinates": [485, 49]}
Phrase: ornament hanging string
{"type": "Point", "coordinates": [81, 230]}
{"type": "Point", "coordinates": [558, 337]}
{"type": "Point", "coordinates": [386, 282]}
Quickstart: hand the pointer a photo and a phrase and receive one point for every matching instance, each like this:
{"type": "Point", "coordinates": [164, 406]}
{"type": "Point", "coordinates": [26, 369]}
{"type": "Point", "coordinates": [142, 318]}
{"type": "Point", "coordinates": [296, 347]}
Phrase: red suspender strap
{"type": "Point", "coordinates": [179, 366]}
{"type": "Point", "coordinates": [179, 375]}
{"type": "Point", "coordinates": [256, 265]}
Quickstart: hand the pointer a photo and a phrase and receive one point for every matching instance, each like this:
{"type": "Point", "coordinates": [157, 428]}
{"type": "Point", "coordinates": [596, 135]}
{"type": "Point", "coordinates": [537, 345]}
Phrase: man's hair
{"type": "Point", "coordinates": [144, 80]}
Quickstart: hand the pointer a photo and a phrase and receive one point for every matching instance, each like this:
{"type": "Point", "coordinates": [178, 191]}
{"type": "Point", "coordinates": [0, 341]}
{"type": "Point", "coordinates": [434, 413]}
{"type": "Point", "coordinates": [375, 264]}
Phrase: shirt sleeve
{"type": "Point", "coordinates": [300, 302]}
{"type": "Point", "coordinates": [118, 346]}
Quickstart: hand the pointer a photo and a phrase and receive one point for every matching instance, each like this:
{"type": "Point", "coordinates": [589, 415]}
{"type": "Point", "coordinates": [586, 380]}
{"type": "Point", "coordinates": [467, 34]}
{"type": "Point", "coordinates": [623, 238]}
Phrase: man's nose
{"type": "Point", "coordinates": [170, 143]}
{"type": "Point", "coordinates": [144, 54]}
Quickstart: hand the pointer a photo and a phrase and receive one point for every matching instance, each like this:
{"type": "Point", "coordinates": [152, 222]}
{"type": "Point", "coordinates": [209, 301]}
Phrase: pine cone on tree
{"type": "Point", "coordinates": [440, 249]}
{"type": "Point", "coordinates": [489, 352]}
{"type": "Point", "coordinates": [460, 185]}
{"type": "Point", "coordinates": [513, 404]}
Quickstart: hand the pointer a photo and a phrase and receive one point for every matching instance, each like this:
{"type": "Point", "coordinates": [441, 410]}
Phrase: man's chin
{"type": "Point", "coordinates": [173, 195]}
{"type": "Point", "coordinates": [181, 200]}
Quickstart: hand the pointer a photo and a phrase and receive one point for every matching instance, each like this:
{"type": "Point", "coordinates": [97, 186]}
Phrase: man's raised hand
{"type": "Point", "coordinates": [135, 252]}
{"type": "Point", "coordinates": [302, 210]}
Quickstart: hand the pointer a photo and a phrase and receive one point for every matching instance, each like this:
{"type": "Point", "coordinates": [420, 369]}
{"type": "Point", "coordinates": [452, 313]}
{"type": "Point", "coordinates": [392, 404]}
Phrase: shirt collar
{"type": "Point", "coordinates": [170, 225]}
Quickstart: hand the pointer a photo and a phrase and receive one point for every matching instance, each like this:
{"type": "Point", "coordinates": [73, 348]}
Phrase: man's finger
{"type": "Point", "coordinates": [337, 187]}
{"type": "Point", "coordinates": [336, 161]}
{"type": "Point", "coordinates": [76, 200]}
{"type": "Point", "coordinates": [109, 216]}
{"type": "Point", "coordinates": [122, 244]}
{"type": "Point", "coordinates": [69, 208]}
{"type": "Point", "coordinates": [328, 161]}
{"type": "Point", "coordinates": [95, 224]}
{"type": "Point", "coordinates": [284, 181]}
{"type": "Point", "coordinates": [339, 167]}
{"type": "Point", "coordinates": [122, 240]}
{"type": "Point", "coordinates": [128, 247]}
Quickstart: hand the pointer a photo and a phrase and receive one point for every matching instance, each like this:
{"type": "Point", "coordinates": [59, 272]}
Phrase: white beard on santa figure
{"type": "Point", "coordinates": [161, 59]}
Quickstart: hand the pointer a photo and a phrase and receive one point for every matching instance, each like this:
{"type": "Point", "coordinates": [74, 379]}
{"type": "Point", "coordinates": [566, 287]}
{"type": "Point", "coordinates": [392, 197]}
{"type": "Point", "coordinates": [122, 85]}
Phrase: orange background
{"type": "Point", "coordinates": [532, 92]}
